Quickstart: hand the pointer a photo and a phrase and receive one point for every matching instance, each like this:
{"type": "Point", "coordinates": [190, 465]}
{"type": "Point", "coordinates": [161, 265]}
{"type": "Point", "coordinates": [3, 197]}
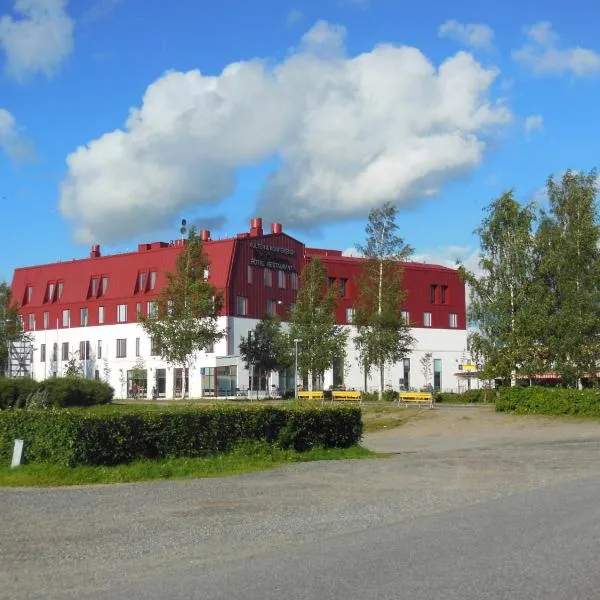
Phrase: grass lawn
{"type": "Point", "coordinates": [385, 416]}
{"type": "Point", "coordinates": [246, 459]}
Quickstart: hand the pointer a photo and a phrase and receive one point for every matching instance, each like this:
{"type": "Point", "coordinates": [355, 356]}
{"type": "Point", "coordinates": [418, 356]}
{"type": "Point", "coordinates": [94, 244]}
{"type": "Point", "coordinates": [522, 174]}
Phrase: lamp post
{"type": "Point", "coordinates": [296, 342]}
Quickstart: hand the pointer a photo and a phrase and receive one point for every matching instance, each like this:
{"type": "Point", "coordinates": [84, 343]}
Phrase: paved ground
{"type": "Point", "coordinates": [473, 505]}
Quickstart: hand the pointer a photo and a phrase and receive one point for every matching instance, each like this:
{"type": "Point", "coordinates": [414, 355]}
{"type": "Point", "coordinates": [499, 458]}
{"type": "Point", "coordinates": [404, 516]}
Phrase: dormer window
{"type": "Point", "coordinates": [142, 281]}
{"type": "Point", "coordinates": [50, 292]}
{"type": "Point", "coordinates": [152, 279]}
{"type": "Point", "coordinates": [104, 285]}
{"type": "Point", "coordinates": [28, 294]}
{"type": "Point", "coordinates": [59, 289]}
{"type": "Point", "coordinates": [94, 287]}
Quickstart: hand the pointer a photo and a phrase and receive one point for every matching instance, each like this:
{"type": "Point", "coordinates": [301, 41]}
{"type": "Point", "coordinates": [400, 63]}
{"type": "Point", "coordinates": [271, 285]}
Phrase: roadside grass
{"type": "Point", "coordinates": [376, 418]}
{"type": "Point", "coordinates": [248, 458]}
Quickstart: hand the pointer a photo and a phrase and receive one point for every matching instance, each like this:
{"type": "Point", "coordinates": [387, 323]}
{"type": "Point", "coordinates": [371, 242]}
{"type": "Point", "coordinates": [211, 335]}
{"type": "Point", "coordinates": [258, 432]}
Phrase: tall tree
{"type": "Point", "coordinates": [313, 322]}
{"type": "Point", "coordinates": [383, 337]}
{"type": "Point", "coordinates": [185, 320]}
{"type": "Point", "coordinates": [266, 348]}
{"type": "Point", "coordinates": [502, 310]}
{"type": "Point", "coordinates": [569, 273]}
{"type": "Point", "coordinates": [10, 326]}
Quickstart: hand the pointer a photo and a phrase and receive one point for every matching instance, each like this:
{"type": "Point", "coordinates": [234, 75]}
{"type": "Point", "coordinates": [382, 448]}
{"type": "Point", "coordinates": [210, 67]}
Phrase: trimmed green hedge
{"type": "Point", "coordinates": [468, 397]}
{"type": "Point", "coordinates": [74, 391]}
{"type": "Point", "coordinates": [14, 392]}
{"type": "Point", "coordinates": [549, 401]}
{"type": "Point", "coordinates": [115, 435]}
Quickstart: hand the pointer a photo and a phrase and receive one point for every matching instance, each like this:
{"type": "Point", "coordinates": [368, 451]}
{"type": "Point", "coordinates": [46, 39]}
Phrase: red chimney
{"type": "Point", "coordinates": [205, 235]}
{"type": "Point", "coordinates": [256, 229]}
{"type": "Point", "coordinates": [95, 253]}
{"type": "Point", "coordinates": [276, 228]}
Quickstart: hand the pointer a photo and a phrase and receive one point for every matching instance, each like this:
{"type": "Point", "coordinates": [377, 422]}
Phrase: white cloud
{"type": "Point", "coordinates": [348, 134]}
{"type": "Point", "coordinates": [39, 41]}
{"type": "Point", "coordinates": [295, 16]}
{"type": "Point", "coordinates": [352, 251]}
{"type": "Point", "coordinates": [474, 35]}
{"type": "Point", "coordinates": [543, 55]}
{"type": "Point", "coordinates": [534, 123]}
{"type": "Point", "coordinates": [11, 142]}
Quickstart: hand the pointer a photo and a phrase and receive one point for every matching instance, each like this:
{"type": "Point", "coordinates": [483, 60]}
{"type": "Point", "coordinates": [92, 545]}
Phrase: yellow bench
{"type": "Point", "coordinates": [415, 398]}
{"type": "Point", "coordinates": [310, 395]}
{"type": "Point", "coordinates": [345, 395]}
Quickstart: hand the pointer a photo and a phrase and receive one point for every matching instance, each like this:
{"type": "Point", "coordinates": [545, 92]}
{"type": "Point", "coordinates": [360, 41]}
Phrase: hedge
{"type": "Point", "coordinates": [549, 401]}
{"type": "Point", "coordinates": [116, 435]}
{"type": "Point", "coordinates": [14, 392]}
{"type": "Point", "coordinates": [74, 391]}
{"type": "Point", "coordinates": [467, 397]}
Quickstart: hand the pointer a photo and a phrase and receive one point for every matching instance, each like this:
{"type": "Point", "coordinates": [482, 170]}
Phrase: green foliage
{"type": "Point", "coordinates": [313, 322]}
{"type": "Point", "coordinates": [74, 368]}
{"type": "Point", "coordinates": [62, 392]}
{"type": "Point", "coordinates": [14, 392]}
{"type": "Point", "coordinates": [10, 324]}
{"type": "Point", "coordinates": [480, 396]}
{"type": "Point", "coordinates": [116, 435]}
{"type": "Point", "coordinates": [549, 401]}
{"type": "Point", "coordinates": [187, 308]}
{"type": "Point", "coordinates": [382, 335]}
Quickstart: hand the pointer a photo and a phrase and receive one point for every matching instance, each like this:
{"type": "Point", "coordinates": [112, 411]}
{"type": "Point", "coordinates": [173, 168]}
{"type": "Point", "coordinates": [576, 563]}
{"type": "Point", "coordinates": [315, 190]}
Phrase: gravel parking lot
{"type": "Point", "coordinates": [108, 541]}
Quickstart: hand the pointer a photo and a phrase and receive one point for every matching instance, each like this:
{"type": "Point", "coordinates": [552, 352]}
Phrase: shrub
{"type": "Point", "coordinates": [468, 397]}
{"type": "Point", "coordinates": [75, 391]}
{"type": "Point", "coordinates": [549, 401]}
{"type": "Point", "coordinates": [390, 396]}
{"type": "Point", "coordinates": [115, 435]}
{"type": "Point", "coordinates": [369, 396]}
{"type": "Point", "coordinates": [14, 392]}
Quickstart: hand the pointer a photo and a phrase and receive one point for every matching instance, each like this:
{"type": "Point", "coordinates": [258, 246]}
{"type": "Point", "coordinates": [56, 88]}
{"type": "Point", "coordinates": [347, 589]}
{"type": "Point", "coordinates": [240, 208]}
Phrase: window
{"type": "Point", "coordinates": [94, 287]}
{"type": "Point", "coordinates": [444, 294]}
{"type": "Point", "coordinates": [55, 352]}
{"type": "Point", "coordinates": [60, 289]}
{"type": "Point", "coordinates": [50, 293]}
{"type": "Point", "coordinates": [342, 287]}
{"type": "Point", "coordinates": [206, 273]}
{"type": "Point", "coordinates": [43, 353]}
{"type": "Point", "coordinates": [99, 351]}
{"type": "Point", "coordinates": [142, 281]}
{"type": "Point", "coordinates": [242, 306]}
{"type": "Point", "coordinates": [292, 307]}
{"type": "Point", "coordinates": [66, 318]}
{"type": "Point", "coordinates": [122, 348]}
{"type": "Point", "coordinates": [151, 307]}
{"type": "Point", "coordinates": [31, 322]}
{"type": "Point", "coordinates": [433, 293]}
{"type": "Point", "coordinates": [349, 315]}
{"type": "Point", "coordinates": [84, 350]}
{"type": "Point", "coordinates": [65, 351]}
{"type": "Point", "coordinates": [83, 317]}
{"type": "Point", "coordinates": [137, 346]}
{"type": "Point", "coordinates": [330, 282]}
{"type": "Point", "coordinates": [210, 348]}
{"type": "Point", "coordinates": [138, 311]}
{"type": "Point", "coordinates": [46, 320]}
{"type": "Point", "coordinates": [267, 277]}
{"type": "Point", "coordinates": [294, 280]}
{"type": "Point", "coordinates": [453, 320]}
{"type": "Point", "coordinates": [405, 316]}
{"type": "Point", "coordinates": [437, 374]}
{"type": "Point", "coordinates": [406, 373]}
{"type": "Point", "coordinates": [281, 279]}
{"type": "Point", "coordinates": [152, 279]}
{"type": "Point", "coordinates": [104, 287]}
{"type": "Point", "coordinates": [427, 319]}
{"type": "Point", "coordinates": [28, 294]}
{"type": "Point", "coordinates": [101, 315]}
{"type": "Point", "coordinates": [154, 348]}
{"type": "Point", "coordinates": [121, 313]}
{"type": "Point", "coordinates": [250, 272]}
{"type": "Point", "coordinates": [271, 307]}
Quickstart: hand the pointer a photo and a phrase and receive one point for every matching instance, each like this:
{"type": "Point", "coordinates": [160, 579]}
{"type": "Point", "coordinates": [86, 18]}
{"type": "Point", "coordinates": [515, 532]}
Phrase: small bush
{"type": "Point", "coordinates": [14, 392]}
{"type": "Point", "coordinates": [116, 435]}
{"type": "Point", "coordinates": [468, 397]}
{"type": "Point", "coordinates": [549, 401]}
{"type": "Point", "coordinates": [369, 396]}
{"type": "Point", "coordinates": [390, 396]}
{"type": "Point", "coordinates": [75, 391]}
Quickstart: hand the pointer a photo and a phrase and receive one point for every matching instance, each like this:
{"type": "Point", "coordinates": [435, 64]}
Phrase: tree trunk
{"type": "Point", "coordinates": [366, 376]}
{"type": "Point", "coordinates": [513, 378]}
{"type": "Point", "coordinates": [381, 379]}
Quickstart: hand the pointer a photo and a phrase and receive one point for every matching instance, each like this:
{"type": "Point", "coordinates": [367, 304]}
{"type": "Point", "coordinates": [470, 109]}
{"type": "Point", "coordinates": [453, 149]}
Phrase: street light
{"type": "Point", "coordinates": [296, 342]}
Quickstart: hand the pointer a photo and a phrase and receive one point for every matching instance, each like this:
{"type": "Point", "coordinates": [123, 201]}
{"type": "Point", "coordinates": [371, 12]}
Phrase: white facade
{"type": "Point", "coordinates": [106, 361]}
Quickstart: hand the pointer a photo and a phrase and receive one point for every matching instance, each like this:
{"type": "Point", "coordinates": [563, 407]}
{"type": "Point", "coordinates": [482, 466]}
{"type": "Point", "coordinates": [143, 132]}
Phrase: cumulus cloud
{"type": "Point", "coordinates": [544, 56]}
{"type": "Point", "coordinates": [39, 40]}
{"type": "Point", "coordinates": [11, 142]}
{"type": "Point", "coordinates": [474, 35]}
{"type": "Point", "coordinates": [346, 133]}
{"type": "Point", "coordinates": [534, 123]}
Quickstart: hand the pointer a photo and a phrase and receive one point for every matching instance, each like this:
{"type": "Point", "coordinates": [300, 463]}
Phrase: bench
{"type": "Point", "coordinates": [345, 395]}
{"type": "Point", "coordinates": [310, 395]}
{"type": "Point", "coordinates": [407, 398]}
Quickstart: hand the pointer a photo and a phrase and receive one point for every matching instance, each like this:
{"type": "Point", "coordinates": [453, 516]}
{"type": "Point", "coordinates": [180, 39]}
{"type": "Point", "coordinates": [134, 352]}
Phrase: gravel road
{"type": "Point", "coordinates": [142, 540]}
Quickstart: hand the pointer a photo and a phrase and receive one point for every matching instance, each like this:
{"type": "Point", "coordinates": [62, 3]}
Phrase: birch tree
{"type": "Point", "coordinates": [382, 336]}
{"type": "Point", "coordinates": [10, 325]}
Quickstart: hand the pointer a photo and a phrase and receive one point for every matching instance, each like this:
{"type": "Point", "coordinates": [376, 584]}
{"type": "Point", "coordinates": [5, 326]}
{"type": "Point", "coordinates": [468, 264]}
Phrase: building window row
{"type": "Point", "coordinates": [438, 294]}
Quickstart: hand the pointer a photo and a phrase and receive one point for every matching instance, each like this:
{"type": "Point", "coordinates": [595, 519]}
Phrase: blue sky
{"type": "Point", "coordinates": [306, 112]}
